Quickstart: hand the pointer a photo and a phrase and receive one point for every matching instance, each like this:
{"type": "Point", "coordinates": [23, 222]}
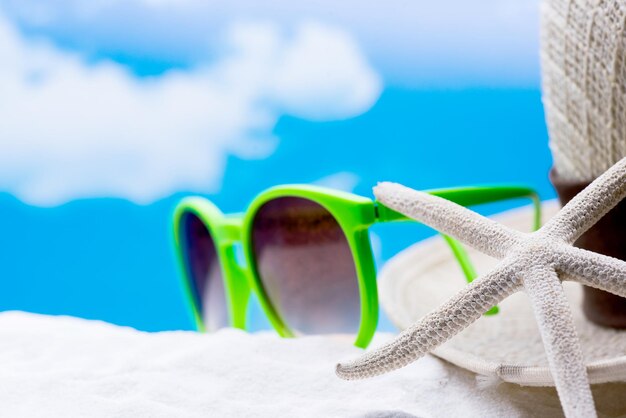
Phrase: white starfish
{"type": "Point", "coordinates": [535, 263]}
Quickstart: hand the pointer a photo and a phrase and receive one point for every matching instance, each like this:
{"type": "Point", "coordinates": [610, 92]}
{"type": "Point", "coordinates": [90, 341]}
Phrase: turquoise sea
{"type": "Point", "coordinates": [112, 260]}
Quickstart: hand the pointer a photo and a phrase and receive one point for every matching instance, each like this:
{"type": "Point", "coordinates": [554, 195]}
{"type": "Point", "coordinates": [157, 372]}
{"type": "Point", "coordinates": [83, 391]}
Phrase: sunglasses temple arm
{"type": "Point", "coordinates": [385, 214]}
{"type": "Point", "coordinates": [478, 195]}
{"type": "Point", "coordinates": [469, 196]}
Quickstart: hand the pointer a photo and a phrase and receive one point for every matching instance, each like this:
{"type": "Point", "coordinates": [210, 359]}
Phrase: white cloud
{"type": "Point", "coordinates": [69, 130]}
{"type": "Point", "coordinates": [413, 43]}
{"type": "Point", "coordinates": [344, 181]}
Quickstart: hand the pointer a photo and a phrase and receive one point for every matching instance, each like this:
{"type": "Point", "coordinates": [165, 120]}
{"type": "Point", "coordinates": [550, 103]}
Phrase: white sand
{"type": "Point", "coordinates": [68, 367]}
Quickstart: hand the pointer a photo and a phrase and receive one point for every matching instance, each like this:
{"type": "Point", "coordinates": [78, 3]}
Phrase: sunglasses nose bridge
{"type": "Point", "coordinates": [232, 229]}
{"type": "Point", "coordinates": [231, 232]}
{"type": "Point", "coordinates": [238, 287]}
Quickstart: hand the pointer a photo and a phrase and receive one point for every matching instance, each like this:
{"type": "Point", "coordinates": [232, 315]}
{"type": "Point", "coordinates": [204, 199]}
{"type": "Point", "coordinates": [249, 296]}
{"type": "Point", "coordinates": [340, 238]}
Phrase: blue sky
{"type": "Point", "coordinates": [114, 110]}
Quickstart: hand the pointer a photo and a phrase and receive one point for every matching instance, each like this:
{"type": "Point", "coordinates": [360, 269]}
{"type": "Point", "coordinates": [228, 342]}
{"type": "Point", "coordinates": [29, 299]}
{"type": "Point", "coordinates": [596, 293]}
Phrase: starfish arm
{"type": "Point", "coordinates": [592, 269]}
{"type": "Point", "coordinates": [588, 206]}
{"type": "Point", "coordinates": [560, 340]}
{"type": "Point", "coordinates": [437, 327]}
{"type": "Point", "coordinates": [449, 218]}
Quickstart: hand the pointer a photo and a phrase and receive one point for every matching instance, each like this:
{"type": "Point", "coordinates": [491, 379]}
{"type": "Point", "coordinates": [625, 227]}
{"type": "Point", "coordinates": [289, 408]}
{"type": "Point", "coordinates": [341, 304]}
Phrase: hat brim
{"type": "Point", "coordinates": [507, 345]}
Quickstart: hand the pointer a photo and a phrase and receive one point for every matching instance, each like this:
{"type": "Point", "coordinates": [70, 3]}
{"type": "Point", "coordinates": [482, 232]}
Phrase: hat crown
{"type": "Point", "coordinates": [583, 60]}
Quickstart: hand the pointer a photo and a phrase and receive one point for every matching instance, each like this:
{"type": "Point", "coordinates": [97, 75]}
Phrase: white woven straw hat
{"type": "Point", "coordinates": [508, 345]}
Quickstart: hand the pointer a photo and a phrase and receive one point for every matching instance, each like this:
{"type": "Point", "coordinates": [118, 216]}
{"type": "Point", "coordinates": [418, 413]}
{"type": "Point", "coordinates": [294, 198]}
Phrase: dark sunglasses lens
{"type": "Point", "coordinates": [306, 267]}
{"type": "Point", "coordinates": [204, 270]}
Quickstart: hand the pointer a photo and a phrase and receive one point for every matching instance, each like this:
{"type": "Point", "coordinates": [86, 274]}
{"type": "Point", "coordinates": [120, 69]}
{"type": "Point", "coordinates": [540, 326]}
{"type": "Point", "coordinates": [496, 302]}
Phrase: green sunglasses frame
{"type": "Point", "coordinates": [355, 214]}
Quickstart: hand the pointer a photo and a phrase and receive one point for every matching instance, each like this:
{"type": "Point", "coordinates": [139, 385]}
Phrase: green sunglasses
{"type": "Point", "coordinates": [306, 256]}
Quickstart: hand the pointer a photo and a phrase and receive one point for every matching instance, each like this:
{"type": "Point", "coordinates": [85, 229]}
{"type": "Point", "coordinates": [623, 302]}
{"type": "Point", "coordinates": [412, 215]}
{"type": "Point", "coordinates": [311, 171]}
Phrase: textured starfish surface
{"type": "Point", "coordinates": [534, 263]}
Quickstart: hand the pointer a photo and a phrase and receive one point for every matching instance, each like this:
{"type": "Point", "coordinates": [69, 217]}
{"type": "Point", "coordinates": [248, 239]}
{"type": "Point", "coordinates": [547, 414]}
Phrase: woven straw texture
{"type": "Point", "coordinates": [583, 58]}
